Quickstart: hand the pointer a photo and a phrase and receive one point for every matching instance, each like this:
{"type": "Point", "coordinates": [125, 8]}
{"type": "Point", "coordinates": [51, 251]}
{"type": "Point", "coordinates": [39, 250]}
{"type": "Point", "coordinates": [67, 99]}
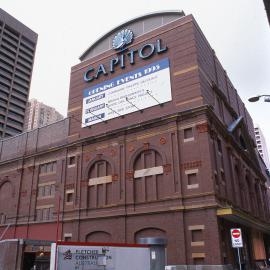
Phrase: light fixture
{"type": "Point", "coordinates": [256, 98]}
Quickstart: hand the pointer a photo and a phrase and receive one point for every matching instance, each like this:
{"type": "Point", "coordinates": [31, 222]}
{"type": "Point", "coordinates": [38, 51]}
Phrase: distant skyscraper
{"type": "Point", "coordinates": [39, 114]}
{"type": "Point", "coordinates": [17, 50]}
{"type": "Point", "coordinates": [261, 145]}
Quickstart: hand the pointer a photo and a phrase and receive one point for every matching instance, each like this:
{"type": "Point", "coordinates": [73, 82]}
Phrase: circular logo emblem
{"type": "Point", "coordinates": [122, 39]}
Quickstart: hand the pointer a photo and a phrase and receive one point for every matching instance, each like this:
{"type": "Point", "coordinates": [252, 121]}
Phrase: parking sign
{"type": "Point", "coordinates": [236, 236]}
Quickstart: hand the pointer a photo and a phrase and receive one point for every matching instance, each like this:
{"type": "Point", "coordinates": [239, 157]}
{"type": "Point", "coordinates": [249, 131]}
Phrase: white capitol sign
{"type": "Point", "coordinates": [142, 88]}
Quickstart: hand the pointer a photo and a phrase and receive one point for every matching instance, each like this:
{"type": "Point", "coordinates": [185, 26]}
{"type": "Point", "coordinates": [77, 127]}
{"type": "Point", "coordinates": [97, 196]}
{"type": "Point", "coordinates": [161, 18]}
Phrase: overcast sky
{"type": "Point", "coordinates": [237, 30]}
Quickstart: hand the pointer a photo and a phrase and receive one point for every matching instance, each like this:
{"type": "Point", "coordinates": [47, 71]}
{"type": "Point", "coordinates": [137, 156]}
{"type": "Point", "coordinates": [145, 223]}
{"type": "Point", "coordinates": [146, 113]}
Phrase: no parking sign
{"type": "Point", "coordinates": [236, 236]}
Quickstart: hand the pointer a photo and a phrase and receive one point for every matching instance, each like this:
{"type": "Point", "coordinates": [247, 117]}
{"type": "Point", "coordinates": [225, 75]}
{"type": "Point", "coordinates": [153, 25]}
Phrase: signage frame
{"type": "Point", "coordinates": [133, 91]}
{"type": "Point", "coordinates": [237, 242]}
{"type": "Point", "coordinates": [102, 255]}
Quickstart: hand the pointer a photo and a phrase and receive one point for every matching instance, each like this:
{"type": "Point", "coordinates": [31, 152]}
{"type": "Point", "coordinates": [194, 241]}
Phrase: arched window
{"type": "Point", "coordinates": [100, 184]}
{"type": "Point", "coordinates": [5, 191]}
{"type": "Point", "coordinates": [99, 236]}
{"type": "Point", "coordinates": [100, 168]}
{"type": "Point", "coordinates": [147, 159]}
{"type": "Point", "coordinates": [149, 182]}
{"type": "Point", "coordinates": [6, 195]}
{"type": "Point", "coordinates": [149, 232]}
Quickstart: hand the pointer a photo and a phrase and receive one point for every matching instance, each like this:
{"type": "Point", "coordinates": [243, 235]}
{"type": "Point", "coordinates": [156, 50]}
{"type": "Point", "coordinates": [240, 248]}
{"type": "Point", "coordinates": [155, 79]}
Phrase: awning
{"type": "Point", "coordinates": [240, 217]}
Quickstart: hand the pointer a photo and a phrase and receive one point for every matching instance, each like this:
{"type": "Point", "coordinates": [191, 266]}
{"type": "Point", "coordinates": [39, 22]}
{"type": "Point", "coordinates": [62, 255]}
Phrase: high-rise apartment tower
{"type": "Point", "coordinates": [17, 51]}
{"type": "Point", "coordinates": [39, 114]}
{"type": "Point", "coordinates": [261, 145]}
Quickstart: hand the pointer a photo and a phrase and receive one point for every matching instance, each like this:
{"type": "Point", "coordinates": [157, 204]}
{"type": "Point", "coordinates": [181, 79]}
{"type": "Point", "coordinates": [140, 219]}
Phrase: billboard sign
{"type": "Point", "coordinates": [134, 91]}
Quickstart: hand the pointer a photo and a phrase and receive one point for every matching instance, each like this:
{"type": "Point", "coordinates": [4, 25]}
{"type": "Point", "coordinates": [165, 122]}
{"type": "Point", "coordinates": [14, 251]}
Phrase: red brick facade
{"type": "Point", "coordinates": [204, 179]}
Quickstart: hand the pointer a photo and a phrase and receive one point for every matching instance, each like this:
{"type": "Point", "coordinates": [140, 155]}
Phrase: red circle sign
{"type": "Point", "coordinates": [236, 233]}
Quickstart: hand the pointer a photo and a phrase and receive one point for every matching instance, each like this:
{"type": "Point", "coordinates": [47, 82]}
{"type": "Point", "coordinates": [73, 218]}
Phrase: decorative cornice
{"type": "Point", "coordinates": [127, 130]}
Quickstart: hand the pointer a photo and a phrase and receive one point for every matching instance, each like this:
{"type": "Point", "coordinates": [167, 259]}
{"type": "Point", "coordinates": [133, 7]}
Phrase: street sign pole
{"type": "Point", "coordinates": [238, 251]}
{"type": "Point", "coordinates": [237, 242]}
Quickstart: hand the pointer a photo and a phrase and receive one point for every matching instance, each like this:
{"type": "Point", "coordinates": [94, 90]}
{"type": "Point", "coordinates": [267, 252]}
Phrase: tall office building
{"type": "Point", "coordinates": [17, 51]}
{"type": "Point", "coordinates": [39, 114]}
{"type": "Point", "coordinates": [261, 145]}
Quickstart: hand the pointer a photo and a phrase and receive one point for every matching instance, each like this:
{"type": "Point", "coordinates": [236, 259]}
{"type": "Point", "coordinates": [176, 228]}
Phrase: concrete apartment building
{"type": "Point", "coordinates": [38, 114]}
{"type": "Point", "coordinates": [17, 51]}
{"type": "Point", "coordinates": [157, 143]}
{"type": "Point", "coordinates": [261, 145]}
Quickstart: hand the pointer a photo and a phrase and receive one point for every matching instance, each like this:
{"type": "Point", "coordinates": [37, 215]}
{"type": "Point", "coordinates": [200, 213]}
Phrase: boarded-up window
{"type": "Point", "coordinates": [258, 244]}
{"type": "Point", "coordinates": [100, 191]}
{"type": "Point", "coordinates": [149, 182]}
{"type": "Point", "coordinates": [99, 169]}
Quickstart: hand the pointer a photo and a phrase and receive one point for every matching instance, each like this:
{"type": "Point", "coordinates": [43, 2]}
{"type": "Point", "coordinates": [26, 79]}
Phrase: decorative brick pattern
{"type": "Point", "coordinates": [87, 157]}
{"type": "Point", "coordinates": [69, 186]}
{"type": "Point", "coordinates": [130, 174]}
{"type": "Point", "coordinates": [99, 156]}
{"type": "Point", "coordinates": [202, 128]}
{"type": "Point", "coordinates": [162, 140]}
{"type": "Point", "coordinates": [23, 193]}
{"type": "Point", "coordinates": [146, 146]}
{"type": "Point", "coordinates": [191, 165]}
{"type": "Point", "coordinates": [167, 168]}
{"type": "Point", "coordinates": [113, 152]}
{"type": "Point", "coordinates": [131, 148]}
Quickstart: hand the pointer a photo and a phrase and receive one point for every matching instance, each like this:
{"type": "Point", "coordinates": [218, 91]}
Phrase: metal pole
{"type": "Point", "coordinates": [240, 267]}
{"type": "Point", "coordinates": [55, 257]}
{"type": "Point", "coordinates": [57, 231]}
{"type": "Point", "coordinates": [58, 218]}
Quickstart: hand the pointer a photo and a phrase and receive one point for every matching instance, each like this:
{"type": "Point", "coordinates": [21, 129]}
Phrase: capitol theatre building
{"type": "Point", "coordinates": [157, 143]}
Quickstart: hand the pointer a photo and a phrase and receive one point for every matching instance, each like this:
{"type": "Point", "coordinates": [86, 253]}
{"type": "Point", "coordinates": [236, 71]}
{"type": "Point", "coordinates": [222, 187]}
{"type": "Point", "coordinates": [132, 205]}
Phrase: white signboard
{"type": "Point", "coordinates": [142, 88]}
{"type": "Point", "coordinates": [236, 236]}
{"type": "Point", "coordinates": [84, 257]}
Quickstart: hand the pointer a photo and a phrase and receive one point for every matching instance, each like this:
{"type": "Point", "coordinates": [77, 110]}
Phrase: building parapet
{"type": "Point", "coordinates": [35, 140]}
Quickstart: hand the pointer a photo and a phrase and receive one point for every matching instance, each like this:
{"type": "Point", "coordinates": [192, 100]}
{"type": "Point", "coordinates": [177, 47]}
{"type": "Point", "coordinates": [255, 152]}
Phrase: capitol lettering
{"type": "Point", "coordinates": [126, 57]}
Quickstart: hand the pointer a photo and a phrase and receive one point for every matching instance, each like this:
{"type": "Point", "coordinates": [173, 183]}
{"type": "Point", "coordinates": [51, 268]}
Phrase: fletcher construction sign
{"type": "Point", "coordinates": [84, 256]}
